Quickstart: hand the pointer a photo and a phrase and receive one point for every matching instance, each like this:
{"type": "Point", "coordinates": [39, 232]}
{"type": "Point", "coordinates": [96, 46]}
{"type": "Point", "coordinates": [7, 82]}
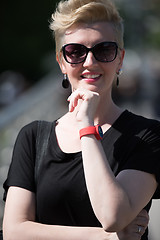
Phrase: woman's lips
{"type": "Point", "coordinates": [91, 77]}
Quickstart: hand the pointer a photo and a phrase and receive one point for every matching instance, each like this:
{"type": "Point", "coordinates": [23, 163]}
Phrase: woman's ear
{"type": "Point", "coordinates": [60, 62]}
{"type": "Point", "coordinates": [122, 54]}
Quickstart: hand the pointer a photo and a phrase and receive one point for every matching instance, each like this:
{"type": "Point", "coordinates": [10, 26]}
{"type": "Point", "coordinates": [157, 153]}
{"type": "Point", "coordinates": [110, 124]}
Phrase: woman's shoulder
{"type": "Point", "coordinates": [140, 123]}
{"type": "Point", "coordinates": [29, 129]}
{"type": "Point", "coordinates": [32, 130]}
{"type": "Point", "coordinates": [32, 127]}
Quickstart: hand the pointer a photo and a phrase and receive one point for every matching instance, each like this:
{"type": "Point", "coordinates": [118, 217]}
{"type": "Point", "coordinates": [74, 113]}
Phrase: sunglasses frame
{"type": "Point", "coordinates": [90, 50]}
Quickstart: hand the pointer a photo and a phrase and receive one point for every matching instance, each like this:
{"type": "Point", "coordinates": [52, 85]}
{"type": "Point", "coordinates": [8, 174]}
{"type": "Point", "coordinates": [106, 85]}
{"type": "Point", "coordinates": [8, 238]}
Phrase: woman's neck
{"type": "Point", "coordinates": [107, 112]}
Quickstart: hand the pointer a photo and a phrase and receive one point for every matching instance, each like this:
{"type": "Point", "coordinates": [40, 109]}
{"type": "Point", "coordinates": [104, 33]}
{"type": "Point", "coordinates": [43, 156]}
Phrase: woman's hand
{"type": "Point", "coordinates": [86, 103]}
{"type": "Point", "coordinates": [135, 229]}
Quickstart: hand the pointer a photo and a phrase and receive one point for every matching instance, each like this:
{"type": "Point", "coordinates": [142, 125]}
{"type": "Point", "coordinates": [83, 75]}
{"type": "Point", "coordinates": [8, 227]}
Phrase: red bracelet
{"type": "Point", "coordinates": [95, 130]}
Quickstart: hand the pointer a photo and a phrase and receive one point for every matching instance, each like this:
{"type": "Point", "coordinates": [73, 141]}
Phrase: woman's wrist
{"type": "Point", "coordinates": [92, 130]}
{"type": "Point", "coordinates": [84, 124]}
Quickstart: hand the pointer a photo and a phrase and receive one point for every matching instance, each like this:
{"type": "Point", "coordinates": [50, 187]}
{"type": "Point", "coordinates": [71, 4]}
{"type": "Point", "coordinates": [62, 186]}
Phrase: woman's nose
{"type": "Point", "coordinates": [90, 60]}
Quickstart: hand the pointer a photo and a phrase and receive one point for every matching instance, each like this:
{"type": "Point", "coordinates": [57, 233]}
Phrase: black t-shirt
{"type": "Point", "coordinates": [132, 142]}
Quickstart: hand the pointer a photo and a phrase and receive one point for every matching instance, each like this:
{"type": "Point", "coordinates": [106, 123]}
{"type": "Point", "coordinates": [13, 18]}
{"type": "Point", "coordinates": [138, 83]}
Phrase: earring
{"type": "Point", "coordinates": [118, 74]}
{"type": "Point", "coordinates": [65, 82]}
{"type": "Point", "coordinates": [117, 82]}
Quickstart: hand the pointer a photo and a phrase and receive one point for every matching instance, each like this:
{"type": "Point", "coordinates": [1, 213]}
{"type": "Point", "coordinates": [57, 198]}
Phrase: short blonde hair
{"type": "Point", "coordinates": [72, 12]}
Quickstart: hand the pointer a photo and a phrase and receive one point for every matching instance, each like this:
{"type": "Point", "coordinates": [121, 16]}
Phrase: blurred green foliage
{"type": "Point", "coordinates": [25, 38]}
{"type": "Point", "coordinates": [142, 23]}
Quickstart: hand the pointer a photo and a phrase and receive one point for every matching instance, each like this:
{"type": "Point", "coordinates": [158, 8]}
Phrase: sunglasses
{"type": "Point", "coordinates": [75, 53]}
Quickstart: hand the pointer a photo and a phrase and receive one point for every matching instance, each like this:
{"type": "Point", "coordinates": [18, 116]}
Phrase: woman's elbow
{"type": "Point", "coordinates": [114, 223]}
{"type": "Point", "coordinates": [9, 234]}
{"type": "Point", "coordinates": [13, 231]}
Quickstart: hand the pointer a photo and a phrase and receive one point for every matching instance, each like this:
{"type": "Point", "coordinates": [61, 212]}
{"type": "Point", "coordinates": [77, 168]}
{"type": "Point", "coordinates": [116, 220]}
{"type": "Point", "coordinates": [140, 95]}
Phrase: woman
{"type": "Point", "coordinates": [92, 185]}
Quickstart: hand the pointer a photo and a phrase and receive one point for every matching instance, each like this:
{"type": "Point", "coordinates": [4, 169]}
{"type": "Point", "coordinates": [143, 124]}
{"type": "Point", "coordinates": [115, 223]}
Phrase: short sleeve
{"type": "Point", "coordinates": [21, 170]}
{"type": "Point", "coordinates": [146, 154]}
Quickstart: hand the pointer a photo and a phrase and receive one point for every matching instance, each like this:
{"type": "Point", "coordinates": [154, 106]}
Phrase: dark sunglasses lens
{"type": "Point", "coordinates": [105, 52]}
{"type": "Point", "coordinates": [74, 53]}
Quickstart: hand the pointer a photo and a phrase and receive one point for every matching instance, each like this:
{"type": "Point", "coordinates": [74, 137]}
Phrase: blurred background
{"type": "Point", "coordinates": [30, 79]}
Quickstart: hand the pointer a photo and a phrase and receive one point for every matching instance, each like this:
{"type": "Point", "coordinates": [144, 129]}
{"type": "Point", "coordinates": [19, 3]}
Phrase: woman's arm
{"type": "Point", "coordinates": [19, 223]}
{"type": "Point", "coordinates": [115, 201]}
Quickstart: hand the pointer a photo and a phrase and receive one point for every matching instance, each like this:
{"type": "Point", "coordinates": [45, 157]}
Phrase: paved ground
{"type": "Point", "coordinates": [45, 101]}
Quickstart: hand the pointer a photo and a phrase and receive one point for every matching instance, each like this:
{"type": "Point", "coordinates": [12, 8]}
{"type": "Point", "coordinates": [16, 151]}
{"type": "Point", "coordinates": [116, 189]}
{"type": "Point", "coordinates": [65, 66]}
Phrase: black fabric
{"type": "Point", "coordinates": [42, 138]}
{"type": "Point", "coordinates": [133, 142]}
{"type": "Point", "coordinates": [1, 235]}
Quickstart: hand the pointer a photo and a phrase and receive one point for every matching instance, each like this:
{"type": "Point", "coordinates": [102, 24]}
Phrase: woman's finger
{"type": "Point", "coordinates": [80, 94]}
{"type": "Point", "coordinates": [142, 219]}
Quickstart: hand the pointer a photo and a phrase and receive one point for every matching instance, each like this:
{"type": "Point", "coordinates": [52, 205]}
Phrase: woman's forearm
{"type": "Point", "coordinates": [108, 199]}
{"type": "Point", "coordinates": [35, 231]}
